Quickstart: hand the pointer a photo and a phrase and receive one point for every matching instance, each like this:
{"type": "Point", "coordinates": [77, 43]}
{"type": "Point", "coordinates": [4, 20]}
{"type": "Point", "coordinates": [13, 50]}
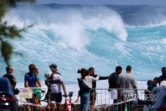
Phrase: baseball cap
{"type": "Point", "coordinates": [53, 67]}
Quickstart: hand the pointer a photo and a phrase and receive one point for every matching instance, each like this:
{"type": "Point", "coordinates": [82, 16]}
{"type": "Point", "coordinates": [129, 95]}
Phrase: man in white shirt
{"type": "Point", "coordinates": [56, 93]}
{"type": "Point", "coordinates": [163, 82]}
{"type": "Point", "coordinates": [127, 82]}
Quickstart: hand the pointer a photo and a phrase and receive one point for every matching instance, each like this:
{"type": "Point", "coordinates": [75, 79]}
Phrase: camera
{"type": "Point", "coordinates": [70, 94]}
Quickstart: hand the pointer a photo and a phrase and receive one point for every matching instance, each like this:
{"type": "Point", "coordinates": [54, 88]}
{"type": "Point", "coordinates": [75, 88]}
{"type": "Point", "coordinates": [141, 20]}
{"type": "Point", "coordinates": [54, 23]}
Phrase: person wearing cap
{"type": "Point", "coordinates": [56, 93]}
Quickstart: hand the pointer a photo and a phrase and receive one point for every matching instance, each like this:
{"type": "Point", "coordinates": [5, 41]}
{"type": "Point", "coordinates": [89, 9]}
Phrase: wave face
{"type": "Point", "coordinates": [83, 36]}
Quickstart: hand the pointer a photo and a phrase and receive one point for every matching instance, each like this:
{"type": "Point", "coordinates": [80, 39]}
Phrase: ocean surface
{"type": "Point", "coordinates": [83, 36]}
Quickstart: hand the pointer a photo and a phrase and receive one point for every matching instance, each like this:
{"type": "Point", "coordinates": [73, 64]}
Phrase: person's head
{"type": "Point", "coordinates": [149, 82]}
{"type": "Point", "coordinates": [82, 71]}
{"type": "Point", "coordinates": [118, 69]}
{"type": "Point", "coordinates": [91, 70]}
{"type": "Point", "coordinates": [9, 69]}
{"type": "Point", "coordinates": [164, 75]}
{"type": "Point", "coordinates": [86, 73]}
{"type": "Point", "coordinates": [163, 69]}
{"type": "Point", "coordinates": [32, 68]}
{"type": "Point", "coordinates": [156, 79]}
{"type": "Point", "coordinates": [128, 69]}
{"type": "Point", "coordinates": [53, 67]}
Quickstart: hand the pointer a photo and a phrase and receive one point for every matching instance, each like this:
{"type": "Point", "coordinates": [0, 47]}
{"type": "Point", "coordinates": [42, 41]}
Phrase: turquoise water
{"type": "Point", "coordinates": [82, 36]}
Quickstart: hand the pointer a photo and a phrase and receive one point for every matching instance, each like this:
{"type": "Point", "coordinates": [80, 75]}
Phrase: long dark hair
{"type": "Point", "coordinates": [84, 73]}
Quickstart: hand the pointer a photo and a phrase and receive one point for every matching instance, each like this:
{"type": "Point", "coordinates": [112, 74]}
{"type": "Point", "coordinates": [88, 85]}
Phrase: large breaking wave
{"type": "Point", "coordinates": [84, 36]}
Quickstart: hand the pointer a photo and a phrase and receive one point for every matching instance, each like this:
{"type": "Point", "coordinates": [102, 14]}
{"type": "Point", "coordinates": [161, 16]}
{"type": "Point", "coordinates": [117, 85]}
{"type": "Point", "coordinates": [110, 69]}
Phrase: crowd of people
{"type": "Point", "coordinates": [86, 82]}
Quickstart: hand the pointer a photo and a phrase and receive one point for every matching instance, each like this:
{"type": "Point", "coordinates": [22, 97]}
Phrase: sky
{"type": "Point", "coordinates": [118, 2]}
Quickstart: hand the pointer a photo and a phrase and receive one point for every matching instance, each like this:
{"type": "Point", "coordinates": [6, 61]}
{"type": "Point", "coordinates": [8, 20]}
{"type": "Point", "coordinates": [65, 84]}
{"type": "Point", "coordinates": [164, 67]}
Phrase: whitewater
{"type": "Point", "coordinates": [76, 36]}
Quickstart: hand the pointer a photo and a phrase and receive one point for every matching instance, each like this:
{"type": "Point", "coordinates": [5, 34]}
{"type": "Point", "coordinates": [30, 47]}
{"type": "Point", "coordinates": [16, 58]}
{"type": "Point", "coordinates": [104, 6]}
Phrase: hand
{"type": "Point", "coordinates": [65, 95]}
{"type": "Point", "coordinates": [76, 101]}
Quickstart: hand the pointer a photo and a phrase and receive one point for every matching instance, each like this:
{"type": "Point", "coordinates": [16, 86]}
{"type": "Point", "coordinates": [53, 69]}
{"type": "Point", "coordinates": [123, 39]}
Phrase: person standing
{"type": "Point", "coordinates": [47, 96]}
{"type": "Point", "coordinates": [30, 80]}
{"type": "Point", "coordinates": [129, 86]}
{"type": "Point", "coordinates": [85, 84]}
{"type": "Point", "coordinates": [56, 93]}
{"type": "Point", "coordinates": [113, 84]}
{"type": "Point", "coordinates": [93, 91]}
{"type": "Point", "coordinates": [163, 82]}
{"type": "Point", "coordinates": [161, 77]}
{"type": "Point", "coordinates": [113, 78]}
{"type": "Point", "coordinates": [10, 77]}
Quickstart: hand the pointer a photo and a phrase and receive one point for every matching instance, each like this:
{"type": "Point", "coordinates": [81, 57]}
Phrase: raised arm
{"type": "Point", "coordinates": [95, 78]}
{"type": "Point", "coordinates": [103, 77]}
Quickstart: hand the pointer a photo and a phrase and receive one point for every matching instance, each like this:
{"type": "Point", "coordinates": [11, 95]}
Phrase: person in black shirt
{"type": "Point", "coordinates": [161, 77]}
{"type": "Point", "coordinates": [113, 80]}
{"type": "Point", "coordinates": [93, 91]}
{"type": "Point", "coordinates": [9, 76]}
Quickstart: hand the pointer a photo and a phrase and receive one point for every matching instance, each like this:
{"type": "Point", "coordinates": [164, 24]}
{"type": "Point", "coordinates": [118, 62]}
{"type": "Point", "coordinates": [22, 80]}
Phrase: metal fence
{"type": "Point", "coordinates": [121, 99]}
{"type": "Point", "coordinates": [102, 100]}
{"type": "Point", "coordinates": [26, 102]}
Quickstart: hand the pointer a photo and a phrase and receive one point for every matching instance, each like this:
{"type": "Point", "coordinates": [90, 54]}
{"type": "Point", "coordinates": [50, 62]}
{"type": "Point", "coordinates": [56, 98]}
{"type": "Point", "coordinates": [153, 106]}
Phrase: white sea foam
{"type": "Point", "coordinates": [69, 27]}
{"type": "Point", "coordinates": [74, 38]}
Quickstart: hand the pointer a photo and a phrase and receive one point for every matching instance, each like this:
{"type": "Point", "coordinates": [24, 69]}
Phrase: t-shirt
{"type": "Point", "coordinates": [56, 87]}
{"type": "Point", "coordinates": [89, 79]}
{"type": "Point", "coordinates": [127, 81]}
{"type": "Point", "coordinates": [113, 78]}
{"type": "Point", "coordinates": [160, 79]}
{"type": "Point", "coordinates": [31, 79]}
{"type": "Point", "coordinates": [163, 83]}
{"type": "Point", "coordinates": [10, 77]}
